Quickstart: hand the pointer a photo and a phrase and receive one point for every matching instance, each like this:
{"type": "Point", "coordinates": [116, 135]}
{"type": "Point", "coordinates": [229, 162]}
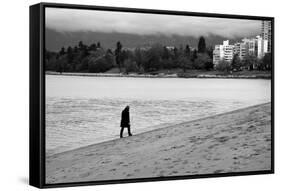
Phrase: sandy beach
{"type": "Point", "coordinates": [236, 141]}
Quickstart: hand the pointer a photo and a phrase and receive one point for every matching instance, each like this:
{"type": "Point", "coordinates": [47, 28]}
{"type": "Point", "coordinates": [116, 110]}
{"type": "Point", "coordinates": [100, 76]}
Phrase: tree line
{"type": "Point", "coordinates": [94, 58]}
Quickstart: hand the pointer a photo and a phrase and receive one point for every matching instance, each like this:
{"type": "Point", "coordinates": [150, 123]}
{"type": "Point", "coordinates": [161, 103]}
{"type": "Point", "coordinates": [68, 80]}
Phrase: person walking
{"type": "Point", "coordinates": [125, 121]}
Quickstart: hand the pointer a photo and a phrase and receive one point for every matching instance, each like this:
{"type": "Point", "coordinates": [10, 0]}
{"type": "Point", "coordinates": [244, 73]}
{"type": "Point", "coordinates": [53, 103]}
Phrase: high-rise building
{"type": "Point", "coordinates": [228, 51]}
{"type": "Point", "coordinates": [223, 52]}
{"type": "Point", "coordinates": [261, 47]}
{"type": "Point", "coordinates": [250, 45]}
{"type": "Point", "coordinates": [266, 33]}
{"type": "Point", "coordinates": [240, 49]}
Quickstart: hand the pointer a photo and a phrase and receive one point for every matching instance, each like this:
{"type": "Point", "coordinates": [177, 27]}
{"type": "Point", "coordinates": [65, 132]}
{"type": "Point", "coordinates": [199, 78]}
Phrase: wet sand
{"type": "Point", "coordinates": [236, 141]}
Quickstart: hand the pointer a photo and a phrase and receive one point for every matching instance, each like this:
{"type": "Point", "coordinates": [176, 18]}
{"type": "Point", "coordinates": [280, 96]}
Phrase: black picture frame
{"type": "Point", "coordinates": [37, 94]}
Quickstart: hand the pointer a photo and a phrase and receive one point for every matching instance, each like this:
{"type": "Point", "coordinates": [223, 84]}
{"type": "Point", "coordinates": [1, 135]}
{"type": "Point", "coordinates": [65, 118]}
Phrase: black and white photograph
{"type": "Point", "coordinates": [135, 95]}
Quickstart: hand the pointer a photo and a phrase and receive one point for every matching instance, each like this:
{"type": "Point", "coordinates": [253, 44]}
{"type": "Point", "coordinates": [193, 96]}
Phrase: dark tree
{"type": "Point", "coordinates": [84, 52]}
{"type": "Point", "coordinates": [194, 55]}
{"type": "Point", "coordinates": [203, 61]}
{"type": "Point", "coordinates": [93, 47]}
{"type": "Point", "coordinates": [187, 51]}
{"type": "Point", "coordinates": [184, 62]}
{"type": "Point", "coordinates": [236, 62]}
{"type": "Point", "coordinates": [61, 64]}
{"type": "Point", "coordinates": [138, 57]}
{"type": "Point", "coordinates": [266, 62]}
{"type": "Point", "coordinates": [75, 50]}
{"type": "Point", "coordinates": [62, 51]}
{"type": "Point", "coordinates": [209, 51]}
{"type": "Point", "coordinates": [102, 64]}
{"type": "Point", "coordinates": [124, 56]}
{"type": "Point", "coordinates": [69, 50]}
{"type": "Point", "coordinates": [81, 45]}
{"type": "Point", "coordinates": [223, 66]}
{"type": "Point", "coordinates": [83, 65]}
{"type": "Point", "coordinates": [209, 65]}
{"type": "Point", "coordinates": [109, 57]}
{"type": "Point", "coordinates": [181, 50]}
{"type": "Point", "coordinates": [50, 60]}
{"type": "Point", "coordinates": [59, 68]}
{"type": "Point", "coordinates": [175, 53]}
{"type": "Point", "coordinates": [109, 51]}
{"type": "Point", "coordinates": [249, 61]}
{"type": "Point", "coordinates": [201, 45]}
{"type": "Point", "coordinates": [118, 55]}
{"type": "Point", "coordinates": [47, 54]}
{"type": "Point", "coordinates": [153, 62]}
{"type": "Point", "coordinates": [98, 45]}
{"type": "Point", "coordinates": [130, 66]}
{"type": "Point", "coordinates": [70, 54]}
{"type": "Point", "coordinates": [166, 54]}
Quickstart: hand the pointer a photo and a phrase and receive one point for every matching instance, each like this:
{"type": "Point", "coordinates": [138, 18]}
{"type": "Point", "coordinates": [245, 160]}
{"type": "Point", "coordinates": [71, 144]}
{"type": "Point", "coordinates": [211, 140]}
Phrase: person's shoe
{"type": "Point", "coordinates": [131, 135]}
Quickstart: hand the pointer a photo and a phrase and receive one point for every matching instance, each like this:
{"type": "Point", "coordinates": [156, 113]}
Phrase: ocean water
{"type": "Point", "coordinates": [86, 110]}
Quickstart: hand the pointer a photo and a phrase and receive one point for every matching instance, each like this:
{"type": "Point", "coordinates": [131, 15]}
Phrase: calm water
{"type": "Point", "coordinates": [86, 110]}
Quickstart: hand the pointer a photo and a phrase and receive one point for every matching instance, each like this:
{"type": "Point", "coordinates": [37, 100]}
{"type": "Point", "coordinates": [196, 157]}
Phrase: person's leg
{"type": "Point", "coordinates": [121, 132]}
{"type": "Point", "coordinates": [129, 131]}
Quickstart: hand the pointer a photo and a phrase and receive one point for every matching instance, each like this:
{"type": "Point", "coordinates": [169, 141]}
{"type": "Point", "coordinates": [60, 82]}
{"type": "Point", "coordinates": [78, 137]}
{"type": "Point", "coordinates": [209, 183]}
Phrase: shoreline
{"type": "Point", "coordinates": [170, 150]}
{"type": "Point", "coordinates": [162, 75]}
{"type": "Point", "coordinates": [161, 128]}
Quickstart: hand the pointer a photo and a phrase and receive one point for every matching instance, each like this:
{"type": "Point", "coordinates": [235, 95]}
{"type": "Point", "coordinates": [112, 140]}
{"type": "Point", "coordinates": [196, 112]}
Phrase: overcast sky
{"type": "Point", "coordinates": [69, 20]}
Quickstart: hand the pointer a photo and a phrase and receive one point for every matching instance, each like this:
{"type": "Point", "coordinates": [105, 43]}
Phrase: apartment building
{"type": "Point", "coordinates": [223, 51]}
{"type": "Point", "coordinates": [240, 49]}
{"type": "Point", "coordinates": [266, 33]}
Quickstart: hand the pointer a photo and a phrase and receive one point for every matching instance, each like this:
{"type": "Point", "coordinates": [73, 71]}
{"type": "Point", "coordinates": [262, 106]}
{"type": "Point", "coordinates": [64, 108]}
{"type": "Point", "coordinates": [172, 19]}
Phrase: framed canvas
{"type": "Point", "coordinates": [122, 95]}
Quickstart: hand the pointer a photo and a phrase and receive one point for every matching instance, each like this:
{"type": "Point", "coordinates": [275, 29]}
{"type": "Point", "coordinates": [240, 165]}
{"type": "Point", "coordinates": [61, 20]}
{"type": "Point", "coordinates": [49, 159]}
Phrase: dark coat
{"type": "Point", "coordinates": [125, 118]}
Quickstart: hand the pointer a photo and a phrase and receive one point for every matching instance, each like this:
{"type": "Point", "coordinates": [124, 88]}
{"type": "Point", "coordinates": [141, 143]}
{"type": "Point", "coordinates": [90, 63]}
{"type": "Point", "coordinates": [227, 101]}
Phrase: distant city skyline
{"type": "Point", "coordinates": [75, 20]}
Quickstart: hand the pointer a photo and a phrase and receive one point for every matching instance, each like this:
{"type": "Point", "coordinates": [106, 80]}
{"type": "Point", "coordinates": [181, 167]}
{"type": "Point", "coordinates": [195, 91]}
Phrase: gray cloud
{"type": "Point", "coordinates": [65, 20]}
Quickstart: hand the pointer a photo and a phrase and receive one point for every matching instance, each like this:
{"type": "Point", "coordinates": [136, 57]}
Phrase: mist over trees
{"type": "Point", "coordinates": [95, 59]}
